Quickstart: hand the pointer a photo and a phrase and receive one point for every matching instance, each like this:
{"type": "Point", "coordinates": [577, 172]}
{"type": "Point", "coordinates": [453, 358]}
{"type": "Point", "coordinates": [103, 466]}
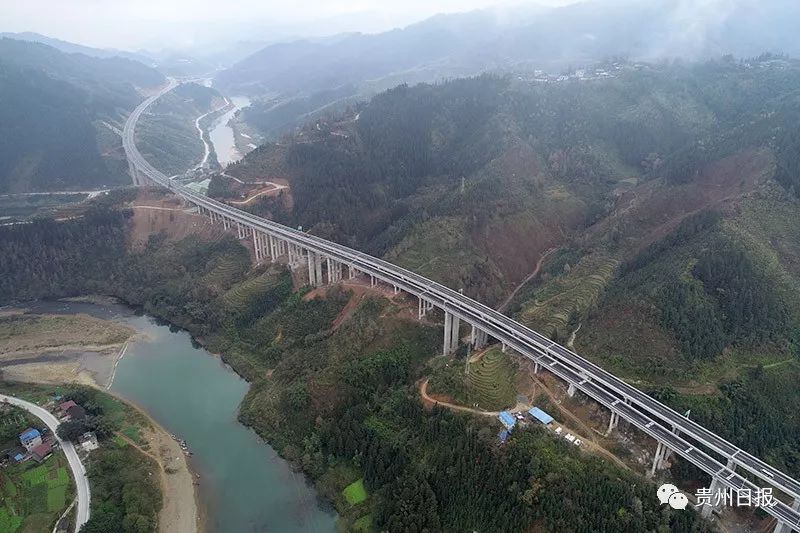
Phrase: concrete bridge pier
{"type": "Point", "coordinates": [482, 339]}
{"type": "Point", "coordinates": [715, 483]}
{"type": "Point", "coordinates": [297, 255]}
{"type": "Point", "coordinates": [272, 250]}
{"type": "Point", "coordinates": [421, 308]}
{"type": "Point", "coordinates": [257, 245]}
{"type": "Point", "coordinates": [456, 328]}
{"type": "Point", "coordinates": [264, 240]}
{"type": "Point", "coordinates": [660, 449]}
{"type": "Point", "coordinates": [448, 334]}
{"type": "Point", "coordinates": [312, 279]}
{"type": "Point", "coordinates": [452, 325]}
{"type": "Point", "coordinates": [612, 423]}
{"type": "Point", "coordinates": [571, 390]}
{"type": "Point", "coordinates": [477, 338]}
{"type": "Point", "coordinates": [318, 269]}
{"type": "Point", "coordinates": [334, 271]}
{"type": "Point", "coordinates": [783, 527]}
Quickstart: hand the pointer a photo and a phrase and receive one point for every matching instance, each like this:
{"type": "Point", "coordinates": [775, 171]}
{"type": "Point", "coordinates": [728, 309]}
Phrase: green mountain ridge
{"type": "Point", "coordinates": [669, 192]}
{"type": "Point", "coordinates": [515, 168]}
{"type": "Point", "coordinates": [57, 112]}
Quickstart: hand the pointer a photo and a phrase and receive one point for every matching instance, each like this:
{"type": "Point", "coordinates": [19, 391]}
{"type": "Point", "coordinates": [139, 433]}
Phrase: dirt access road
{"type": "Point", "coordinates": [530, 276]}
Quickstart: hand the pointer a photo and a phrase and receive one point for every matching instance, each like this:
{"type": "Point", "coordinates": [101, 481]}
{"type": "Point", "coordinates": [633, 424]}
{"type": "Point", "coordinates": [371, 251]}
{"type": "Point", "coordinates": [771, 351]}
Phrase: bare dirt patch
{"type": "Point", "coordinates": [60, 348]}
{"type": "Point", "coordinates": [154, 215]}
{"type": "Point", "coordinates": [655, 208]}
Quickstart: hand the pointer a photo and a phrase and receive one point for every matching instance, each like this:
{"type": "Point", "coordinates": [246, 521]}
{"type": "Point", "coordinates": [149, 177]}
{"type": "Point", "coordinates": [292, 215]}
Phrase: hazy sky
{"type": "Point", "coordinates": [131, 24]}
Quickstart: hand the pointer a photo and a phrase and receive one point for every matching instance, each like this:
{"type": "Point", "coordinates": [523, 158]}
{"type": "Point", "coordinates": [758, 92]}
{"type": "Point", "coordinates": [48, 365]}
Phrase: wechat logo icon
{"type": "Point", "coordinates": [670, 494]}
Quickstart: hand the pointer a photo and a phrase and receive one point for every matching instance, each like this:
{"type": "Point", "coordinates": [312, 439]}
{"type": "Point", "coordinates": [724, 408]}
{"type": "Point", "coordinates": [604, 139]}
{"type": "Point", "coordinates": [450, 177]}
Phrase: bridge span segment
{"type": "Point", "coordinates": [327, 262]}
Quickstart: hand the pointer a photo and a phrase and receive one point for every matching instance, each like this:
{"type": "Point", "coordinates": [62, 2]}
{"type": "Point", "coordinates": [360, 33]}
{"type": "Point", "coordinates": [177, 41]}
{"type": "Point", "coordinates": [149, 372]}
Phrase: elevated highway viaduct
{"type": "Point", "coordinates": [729, 466]}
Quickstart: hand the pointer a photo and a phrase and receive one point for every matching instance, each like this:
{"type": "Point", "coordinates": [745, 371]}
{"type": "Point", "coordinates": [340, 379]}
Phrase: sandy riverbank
{"type": "Point", "coordinates": [57, 349]}
{"type": "Point", "coordinates": [48, 348]}
{"type": "Point", "coordinates": [181, 510]}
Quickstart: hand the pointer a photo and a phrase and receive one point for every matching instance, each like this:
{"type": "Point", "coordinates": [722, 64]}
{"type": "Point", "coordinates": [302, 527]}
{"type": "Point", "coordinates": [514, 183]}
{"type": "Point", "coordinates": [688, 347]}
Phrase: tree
{"type": "Point", "coordinates": [71, 430]}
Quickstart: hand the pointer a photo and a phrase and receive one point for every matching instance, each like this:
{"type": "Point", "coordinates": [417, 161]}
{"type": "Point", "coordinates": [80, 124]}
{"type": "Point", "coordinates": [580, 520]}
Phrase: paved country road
{"type": "Point", "coordinates": [78, 471]}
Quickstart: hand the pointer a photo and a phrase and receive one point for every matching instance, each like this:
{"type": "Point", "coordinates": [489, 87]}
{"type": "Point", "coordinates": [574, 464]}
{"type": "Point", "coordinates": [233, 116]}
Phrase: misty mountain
{"type": "Point", "coordinates": [74, 48]}
{"type": "Point", "coordinates": [514, 39]}
{"type": "Point", "coordinates": [109, 80]}
{"type": "Point", "coordinates": [194, 62]}
{"type": "Point", "coordinates": [59, 113]}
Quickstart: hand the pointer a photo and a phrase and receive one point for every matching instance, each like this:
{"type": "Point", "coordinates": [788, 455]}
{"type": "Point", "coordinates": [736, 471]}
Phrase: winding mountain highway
{"type": "Point", "coordinates": [128, 133]}
{"type": "Point", "coordinates": [729, 466]}
{"type": "Point", "coordinates": [75, 464]}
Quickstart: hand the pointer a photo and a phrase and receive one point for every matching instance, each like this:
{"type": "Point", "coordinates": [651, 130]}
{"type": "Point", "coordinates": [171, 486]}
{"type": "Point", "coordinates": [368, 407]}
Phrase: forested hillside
{"type": "Point", "coordinates": [667, 198]}
{"type": "Point", "coordinates": [339, 400]}
{"type": "Point", "coordinates": [58, 113]}
{"type": "Point", "coordinates": [293, 80]}
{"type": "Point", "coordinates": [472, 180]}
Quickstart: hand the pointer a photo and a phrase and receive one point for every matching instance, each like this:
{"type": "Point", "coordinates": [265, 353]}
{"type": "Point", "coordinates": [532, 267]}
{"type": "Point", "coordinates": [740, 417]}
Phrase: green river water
{"type": "Point", "coordinates": [244, 484]}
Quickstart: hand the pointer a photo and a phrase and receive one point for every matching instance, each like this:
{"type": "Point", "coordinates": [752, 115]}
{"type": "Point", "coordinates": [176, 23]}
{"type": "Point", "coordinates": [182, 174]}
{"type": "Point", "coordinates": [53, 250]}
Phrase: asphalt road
{"type": "Point", "coordinates": [78, 471]}
{"type": "Point", "coordinates": [638, 408]}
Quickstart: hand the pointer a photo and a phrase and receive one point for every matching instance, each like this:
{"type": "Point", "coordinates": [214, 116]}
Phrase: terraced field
{"type": "Point", "coordinates": [225, 272]}
{"type": "Point", "coordinates": [490, 381]}
{"type": "Point", "coordinates": [441, 249]}
{"type": "Point", "coordinates": [570, 295]}
{"type": "Point", "coordinates": [238, 298]}
{"type": "Point", "coordinates": [254, 297]}
{"type": "Point", "coordinates": [770, 227]}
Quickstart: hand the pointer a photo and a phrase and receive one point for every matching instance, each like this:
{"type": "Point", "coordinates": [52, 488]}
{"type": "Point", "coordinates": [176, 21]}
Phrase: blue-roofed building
{"type": "Point", "coordinates": [507, 419]}
{"type": "Point", "coordinates": [19, 458]}
{"type": "Point", "coordinates": [503, 436]}
{"type": "Point", "coordinates": [30, 438]}
{"type": "Point", "coordinates": [540, 415]}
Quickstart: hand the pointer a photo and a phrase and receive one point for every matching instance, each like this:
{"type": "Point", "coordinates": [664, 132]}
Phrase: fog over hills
{"type": "Point", "coordinates": [74, 48]}
{"type": "Point", "coordinates": [58, 112]}
{"type": "Point", "coordinates": [520, 37]}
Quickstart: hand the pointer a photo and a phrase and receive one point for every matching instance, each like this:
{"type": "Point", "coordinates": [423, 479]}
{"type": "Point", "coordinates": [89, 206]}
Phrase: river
{"type": "Point", "coordinates": [244, 484]}
{"type": "Point", "coordinates": [222, 136]}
